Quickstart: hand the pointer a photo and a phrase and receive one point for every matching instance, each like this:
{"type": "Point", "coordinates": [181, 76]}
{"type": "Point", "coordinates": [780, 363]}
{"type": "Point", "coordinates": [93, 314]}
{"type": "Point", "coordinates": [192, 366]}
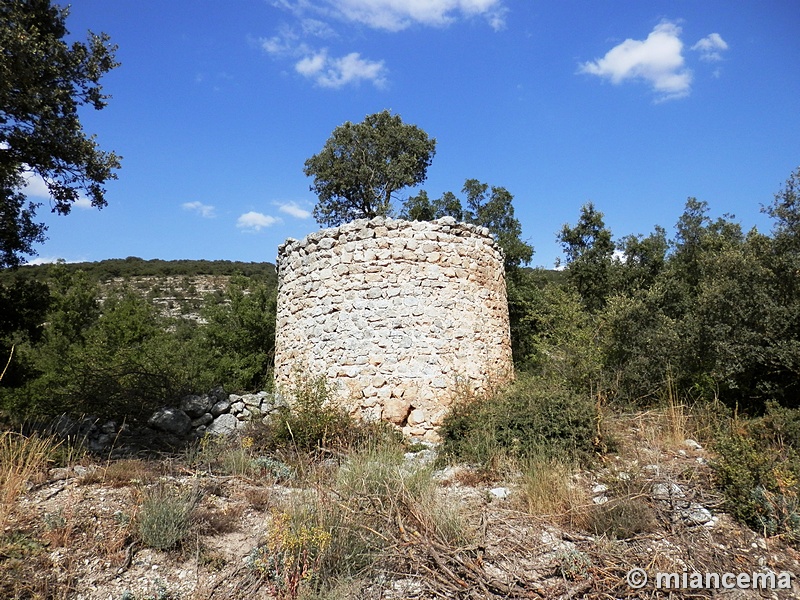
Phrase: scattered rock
{"type": "Point", "coordinates": [692, 444]}
{"type": "Point", "coordinates": [422, 458]}
{"type": "Point", "coordinates": [501, 493]}
{"type": "Point", "coordinates": [223, 425]}
{"type": "Point", "coordinates": [171, 420]}
{"type": "Point", "coordinates": [196, 406]}
{"type": "Point", "coordinates": [220, 407]}
{"type": "Point", "coordinates": [696, 514]}
{"type": "Point", "coordinates": [667, 492]}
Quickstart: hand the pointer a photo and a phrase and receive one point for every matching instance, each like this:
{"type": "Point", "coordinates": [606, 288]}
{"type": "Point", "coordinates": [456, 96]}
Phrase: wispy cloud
{"type": "Point", "coordinates": [315, 20]}
{"type": "Point", "coordinates": [711, 47]}
{"type": "Point", "coordinates": [657, 60]}
{"type": "Point", "coordinates": [82, 202]}
{"type": "Point", "coordinates": [48, 260]}
{"type": "Point", "coordinates": [35, 186]}
{"type": "Point", "coordinates": [291, 208]}
{"type": "Point", "coordinates": [333, 72]}
{"type": "Point", "coordinates": [204, 210]}
{"type": "Point", "coordinates": [253, 222]}
{"type": "Point", "coordinates": [322, 68]}
{"type": "Point", "coordinates": [396, 15]}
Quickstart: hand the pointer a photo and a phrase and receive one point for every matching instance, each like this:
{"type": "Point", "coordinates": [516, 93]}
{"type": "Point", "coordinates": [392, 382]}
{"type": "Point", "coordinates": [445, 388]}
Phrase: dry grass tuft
{"type": "Point", "coordinates": [21, 459]}
{"type": "Point", "coordinates": [122, 473]}
{"type": "Point", "coordinates": [548, 488]}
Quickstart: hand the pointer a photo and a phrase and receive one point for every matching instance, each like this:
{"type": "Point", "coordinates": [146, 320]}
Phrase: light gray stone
{"type": "Point", "coordinates": [251, 400]}
{"type": "Point", "coordinates": [220, 407]}
{"type": "Point", "coordinates": [501, 493]}
{"type": "Point", "coordinates": [223, 425]}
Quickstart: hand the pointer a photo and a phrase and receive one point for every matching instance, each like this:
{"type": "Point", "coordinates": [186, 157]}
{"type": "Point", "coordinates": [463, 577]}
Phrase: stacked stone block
{"type": "Point", "coordinates": [396, 314]}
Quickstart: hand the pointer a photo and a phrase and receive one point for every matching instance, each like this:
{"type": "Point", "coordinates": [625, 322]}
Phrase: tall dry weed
{"type": "Point", "coordinates": [21, 458]}
{"type": "Point", "coordinates": [549, 489]}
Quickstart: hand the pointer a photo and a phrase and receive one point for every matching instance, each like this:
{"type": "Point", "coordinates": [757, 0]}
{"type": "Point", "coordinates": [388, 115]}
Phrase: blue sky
{"type": "Point", "coordinates": [632, 105]}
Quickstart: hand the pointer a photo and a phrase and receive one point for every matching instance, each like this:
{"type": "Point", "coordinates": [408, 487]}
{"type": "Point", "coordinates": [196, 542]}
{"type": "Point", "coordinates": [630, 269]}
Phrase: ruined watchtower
{"type": "Point", "coordinates": [396, 314]}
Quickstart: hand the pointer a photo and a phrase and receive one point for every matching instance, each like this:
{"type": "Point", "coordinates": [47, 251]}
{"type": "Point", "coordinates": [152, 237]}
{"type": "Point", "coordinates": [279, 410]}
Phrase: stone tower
{"type": "Point", "coordinates": [396, 314]}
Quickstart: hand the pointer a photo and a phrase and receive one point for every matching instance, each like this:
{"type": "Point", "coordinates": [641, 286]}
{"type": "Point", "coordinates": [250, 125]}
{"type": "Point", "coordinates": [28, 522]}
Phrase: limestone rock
{"type": "Point", "coordinates": [223, 425]}
{"type": "Point", "coordinates": [196, 406]}
{"type": "Point", "coordinates": [171, 420]}
{"type": "Point", "coordinates": [220, 407]}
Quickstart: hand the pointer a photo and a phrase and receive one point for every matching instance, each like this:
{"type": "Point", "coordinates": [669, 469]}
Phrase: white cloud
{"type": "Point", "coordinates": [312, 65]}
{"type": "Point", "coordinates": [291, 208]}
{"type": "Point", "coordinates": [711, 47]}
{"type": "Point", "coordinates": [253, 221]}
{"type": "Point", "coordinates": [82, 202]}
{"type": "Point", "coordinates": [285, 43]}
{"type": "Point", "coordinates": [335, 73]}
{"type": "Point", "coordinates": [658, 60]}
{"type": "Point", "coordinates": [317, 28]}
{"type": "Point", "coordinates": [313, 19]}
{"type": "Point", "coordinates": [395, 15]}
{"type": "Point", "coordinates": [35, 185]}
{"type": "Point", "coordinates": [46, 260]}
{"type": "Point", "coordinates": [204, 210]}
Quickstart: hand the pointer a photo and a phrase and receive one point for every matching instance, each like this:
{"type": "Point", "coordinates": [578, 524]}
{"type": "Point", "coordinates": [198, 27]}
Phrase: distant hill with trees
{"type": "Point", "coordinates": [134, 266]}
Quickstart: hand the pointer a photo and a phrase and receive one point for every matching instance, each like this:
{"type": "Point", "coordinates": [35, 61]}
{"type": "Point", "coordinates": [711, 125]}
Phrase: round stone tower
{"type": "Point", "coordinates": [396, 314]}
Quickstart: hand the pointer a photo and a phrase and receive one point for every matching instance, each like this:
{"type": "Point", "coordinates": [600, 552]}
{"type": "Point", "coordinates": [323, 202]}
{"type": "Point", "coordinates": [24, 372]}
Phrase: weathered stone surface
{"type": "Point", "coordinates": [396, 410]}
{"type": "Point", "coordinates": [223, 425]}
{"type": "Point", "coordinates": [251, 400]}
{"type": "Point", "coordinates": [196, 406]}
{"type": "Point", "coordinates": [394, 313]}
{"type": "Point", "coordinates": [171, 420]}
{"type": "Point", "coordinates": [202, 420]}
{"type": "Point", "coordinates": [220, 407]}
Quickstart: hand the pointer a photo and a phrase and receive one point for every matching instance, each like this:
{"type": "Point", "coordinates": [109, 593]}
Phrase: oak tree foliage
{"type": "Point", "coordinates": [363, 164]}
{"type": "Point", "coordinates": [44, 81]}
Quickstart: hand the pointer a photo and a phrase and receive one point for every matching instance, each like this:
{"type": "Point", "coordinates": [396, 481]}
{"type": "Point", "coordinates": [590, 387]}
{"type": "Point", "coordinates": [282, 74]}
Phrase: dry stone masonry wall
{"type": "Point", "coordinates": [396, 314]}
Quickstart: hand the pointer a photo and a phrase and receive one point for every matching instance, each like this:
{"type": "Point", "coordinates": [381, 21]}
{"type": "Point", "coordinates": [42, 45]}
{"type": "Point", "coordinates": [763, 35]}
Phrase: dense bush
{"type": "Point", "coordinates": [758, 471]}
{"type": "Point", "coordinates": [534, 417]}
{"type": "Point", "coordinates": [118, 355]}
{"type": "Point", "coordinates": [238, 339]}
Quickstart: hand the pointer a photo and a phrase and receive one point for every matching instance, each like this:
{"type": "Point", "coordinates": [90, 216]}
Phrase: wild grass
{"type": "Point", "coordinates": [342, 530]}
{"type": "Point", "coordinates": [548, 488]}
{"type": "Point", "coordinates": [165, 516]}
{"type": "Point", "coordinates": [21, 458]}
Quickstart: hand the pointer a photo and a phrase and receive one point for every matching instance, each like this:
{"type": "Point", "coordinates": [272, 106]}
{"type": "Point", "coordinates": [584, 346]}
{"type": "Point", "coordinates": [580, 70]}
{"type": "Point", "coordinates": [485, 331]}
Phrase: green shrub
{"type": "Point", "coordinates": [315, 423]}
{"type": "Point", "coordinates": [238, 338]}
{"type": "Point", "coordinates": [533, 417]}
{"type": "Point", "coordinates": [165, 516]}
{"type": "Point", "coordinates": [622, 518]}
{"type": "Point", "coordinates": [758, 472]}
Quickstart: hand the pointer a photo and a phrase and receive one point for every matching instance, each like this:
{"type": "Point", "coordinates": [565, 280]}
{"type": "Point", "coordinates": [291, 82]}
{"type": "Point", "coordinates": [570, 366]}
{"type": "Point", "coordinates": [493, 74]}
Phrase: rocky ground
{"type": "Point", "coordinates": [70, 535]}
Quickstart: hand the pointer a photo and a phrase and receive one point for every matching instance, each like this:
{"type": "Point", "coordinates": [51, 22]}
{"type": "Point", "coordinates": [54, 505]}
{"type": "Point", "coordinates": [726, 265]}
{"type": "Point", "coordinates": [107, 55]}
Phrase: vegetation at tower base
{"type": "Point", "coordinates": [363, 165]}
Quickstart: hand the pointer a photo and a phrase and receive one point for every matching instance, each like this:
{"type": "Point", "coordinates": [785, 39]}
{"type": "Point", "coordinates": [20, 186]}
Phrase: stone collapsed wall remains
{"type": "Point", "coordinates": [396, 314]}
